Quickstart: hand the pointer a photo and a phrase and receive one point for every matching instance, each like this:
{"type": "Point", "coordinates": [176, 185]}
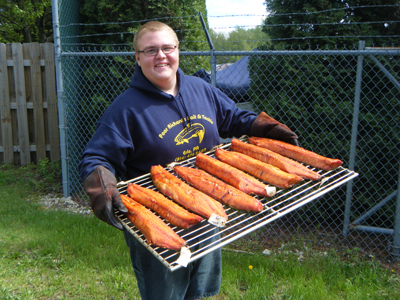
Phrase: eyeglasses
{"type": "Point", "coordinates": [154, 51]}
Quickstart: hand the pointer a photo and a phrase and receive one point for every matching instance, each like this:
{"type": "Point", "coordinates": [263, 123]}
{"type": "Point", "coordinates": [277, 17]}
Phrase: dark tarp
{"type": "Point", "coordinates": [234, 80]}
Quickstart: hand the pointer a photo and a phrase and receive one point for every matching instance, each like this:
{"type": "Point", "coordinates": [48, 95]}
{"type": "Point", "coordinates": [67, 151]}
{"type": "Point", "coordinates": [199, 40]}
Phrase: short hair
{"type": "Point", "coordinates": [152, 26]}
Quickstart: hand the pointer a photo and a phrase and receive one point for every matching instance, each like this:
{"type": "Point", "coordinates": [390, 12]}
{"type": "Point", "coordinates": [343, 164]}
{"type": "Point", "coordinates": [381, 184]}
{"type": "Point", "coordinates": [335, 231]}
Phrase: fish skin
{"type": "Point", "coordinates": [153, 228]}
{"type": "Point", "coordinates": [166, 208]}
{"type": "Point", "coordinates": [185, 195]}
{"type": "Point", "coordinates": [218, 189]}
{"type": "Point", "coordinates": [298, 153]}
{"type": "Point", "coordinates": [258, 169]}
{"type": "Point", "coordinates": [284, 163]}
{"type": "Point", "coordinates": [231, 175]}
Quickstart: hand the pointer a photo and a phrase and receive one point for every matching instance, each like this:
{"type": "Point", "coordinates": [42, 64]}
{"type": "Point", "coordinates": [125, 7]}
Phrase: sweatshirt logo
{"type": "Point", "coordinates": [194, 130]}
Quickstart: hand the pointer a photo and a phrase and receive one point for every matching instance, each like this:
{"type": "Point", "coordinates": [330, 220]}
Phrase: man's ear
{"type": "Point", "coordinates": [137, 58]}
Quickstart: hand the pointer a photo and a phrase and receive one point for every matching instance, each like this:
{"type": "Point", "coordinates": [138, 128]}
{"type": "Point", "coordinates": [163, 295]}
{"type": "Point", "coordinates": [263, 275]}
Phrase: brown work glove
{"type": "Point", "coordinates": [101, 187]}
{"type": "Point", "coordinates": [266, 126]}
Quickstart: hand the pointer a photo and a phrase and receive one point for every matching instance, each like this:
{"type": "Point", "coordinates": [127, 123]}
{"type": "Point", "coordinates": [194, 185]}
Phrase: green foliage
{"type": "Point", "coordinates": [335, 23]}
{"type": "Point", "coordinates": [25, 21]}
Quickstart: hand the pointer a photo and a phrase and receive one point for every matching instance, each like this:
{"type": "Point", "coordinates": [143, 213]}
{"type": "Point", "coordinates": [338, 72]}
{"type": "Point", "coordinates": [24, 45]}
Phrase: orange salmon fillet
{"type": "Point", "coordinates": [166, 208]}
{"type": "Point", "coordinates": [153, 228]}
{"type": "Point", "coordinates": [218, 189]}
{"type": "Point", "coordinates": [258, 169]}
{"type": "Point", "coordinates": [185, 195]}
{"type": "Point", "coordinates": [297, 153]}
{"type": "Point", "coordinates": [275, 159]}
{"type": "Point", "coordinates": [231, 175]}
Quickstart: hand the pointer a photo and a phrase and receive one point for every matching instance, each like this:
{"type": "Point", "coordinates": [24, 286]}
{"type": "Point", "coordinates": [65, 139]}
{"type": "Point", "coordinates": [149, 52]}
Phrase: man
{"type": "Point", "coordinates": [165, 116]}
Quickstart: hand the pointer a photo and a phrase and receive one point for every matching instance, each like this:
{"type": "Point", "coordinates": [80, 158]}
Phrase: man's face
{"type": "Point", "coordinates": [159, 69]}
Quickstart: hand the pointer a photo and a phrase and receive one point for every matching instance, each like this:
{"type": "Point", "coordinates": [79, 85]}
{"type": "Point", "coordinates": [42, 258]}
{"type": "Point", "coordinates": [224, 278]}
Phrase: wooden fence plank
{"type": "Point", "coordinates": [20, 99]}
{"type": "Point", "coordinates": [51, 99]}
{"type": "Point", "coordinates": [32, 52]}
{"type": "Point", "coordinates": [28, 103]}
{"type": "Point", "coordinates": [5, 111]}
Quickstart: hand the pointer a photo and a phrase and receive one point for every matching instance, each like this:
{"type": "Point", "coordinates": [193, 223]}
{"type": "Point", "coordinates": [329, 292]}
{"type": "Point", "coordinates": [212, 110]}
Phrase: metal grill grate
{"type": "Point", "coordinates": [204, 238]}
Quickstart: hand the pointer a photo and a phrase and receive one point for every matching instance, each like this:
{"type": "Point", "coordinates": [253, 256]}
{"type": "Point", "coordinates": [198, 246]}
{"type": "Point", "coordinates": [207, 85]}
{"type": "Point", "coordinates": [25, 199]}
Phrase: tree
{"type": "Point", "coordinates": [237, 40]}
{"type": "Point", "coordinates": [382, 33]}
{"type": "Point", "coordinates": [331, 22]}
{"type": "Point", "coordinates": [25, 21]}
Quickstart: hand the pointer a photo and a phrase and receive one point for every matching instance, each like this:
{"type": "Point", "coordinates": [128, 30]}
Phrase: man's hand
{"type": "Point", "coordinates": [101, 187]}
{"type": "Point", "coordinates": [266, 126]}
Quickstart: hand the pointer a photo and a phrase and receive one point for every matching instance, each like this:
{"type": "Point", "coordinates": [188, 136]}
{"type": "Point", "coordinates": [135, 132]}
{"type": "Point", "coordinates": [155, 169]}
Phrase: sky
{"type": "Point", "coordinates": [237, 8]}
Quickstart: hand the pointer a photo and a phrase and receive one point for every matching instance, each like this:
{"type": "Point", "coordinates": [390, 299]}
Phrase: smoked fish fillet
{"type": "Point", "coordinates": [185, 195]}
{"type": "Point", "coordinates": [233, 176]}
{"type": "Point", "coordinates": [258, 169]}
{"type": "Point", "coordinates": [297, 153]}
{"type": "Point", "coordinates": [218, 189]}
{"type": "Point", "coordinates": [284, 163]}
{"type": "Point", "coordinates": [153, 228]}
{"type": "Point", "coordinates": [166, 208]}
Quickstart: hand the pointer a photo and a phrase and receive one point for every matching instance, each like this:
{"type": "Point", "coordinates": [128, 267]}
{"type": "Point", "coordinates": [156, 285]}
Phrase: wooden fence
{"type": "Point", "coordinates": [28, 104]}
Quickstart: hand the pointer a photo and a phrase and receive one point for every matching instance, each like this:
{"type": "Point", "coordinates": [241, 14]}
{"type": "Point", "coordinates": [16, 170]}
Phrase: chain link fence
{"type": "Point", "coordinates": [342, 103]}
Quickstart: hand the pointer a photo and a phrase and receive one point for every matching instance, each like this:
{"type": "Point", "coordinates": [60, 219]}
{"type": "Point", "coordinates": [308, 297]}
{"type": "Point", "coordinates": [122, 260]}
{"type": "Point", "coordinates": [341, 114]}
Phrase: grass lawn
{"type": "Point", "coordinates": [47, 254]}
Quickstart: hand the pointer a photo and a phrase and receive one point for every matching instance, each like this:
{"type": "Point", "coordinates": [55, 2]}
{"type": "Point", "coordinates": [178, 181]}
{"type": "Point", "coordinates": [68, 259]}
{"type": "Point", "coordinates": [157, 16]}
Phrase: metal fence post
{"type": "Point", "coordinates": [60, 98]}
{"type": "Point", "coordinates": [354, 132]}
{"type": "Point", "coordinates": [212, 49]}
{"type": "Point", "coordinates": [396, 234]}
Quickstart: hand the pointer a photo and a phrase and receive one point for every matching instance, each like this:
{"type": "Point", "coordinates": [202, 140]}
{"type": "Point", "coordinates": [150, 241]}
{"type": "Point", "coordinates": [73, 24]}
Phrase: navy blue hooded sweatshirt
{"type": "Point", "coordinates": [145, 126]}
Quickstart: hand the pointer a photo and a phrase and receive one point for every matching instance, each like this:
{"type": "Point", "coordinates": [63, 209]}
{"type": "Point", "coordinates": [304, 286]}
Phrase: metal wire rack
{"type": "Point", "coordinates": [205, 238]}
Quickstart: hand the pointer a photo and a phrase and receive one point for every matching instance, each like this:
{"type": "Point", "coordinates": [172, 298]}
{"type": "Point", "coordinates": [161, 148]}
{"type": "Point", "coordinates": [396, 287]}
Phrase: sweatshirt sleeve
{"type": "Point", "coordinates": [232, 121]}
{"type": "Point", "coordinates": [106, 148]}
